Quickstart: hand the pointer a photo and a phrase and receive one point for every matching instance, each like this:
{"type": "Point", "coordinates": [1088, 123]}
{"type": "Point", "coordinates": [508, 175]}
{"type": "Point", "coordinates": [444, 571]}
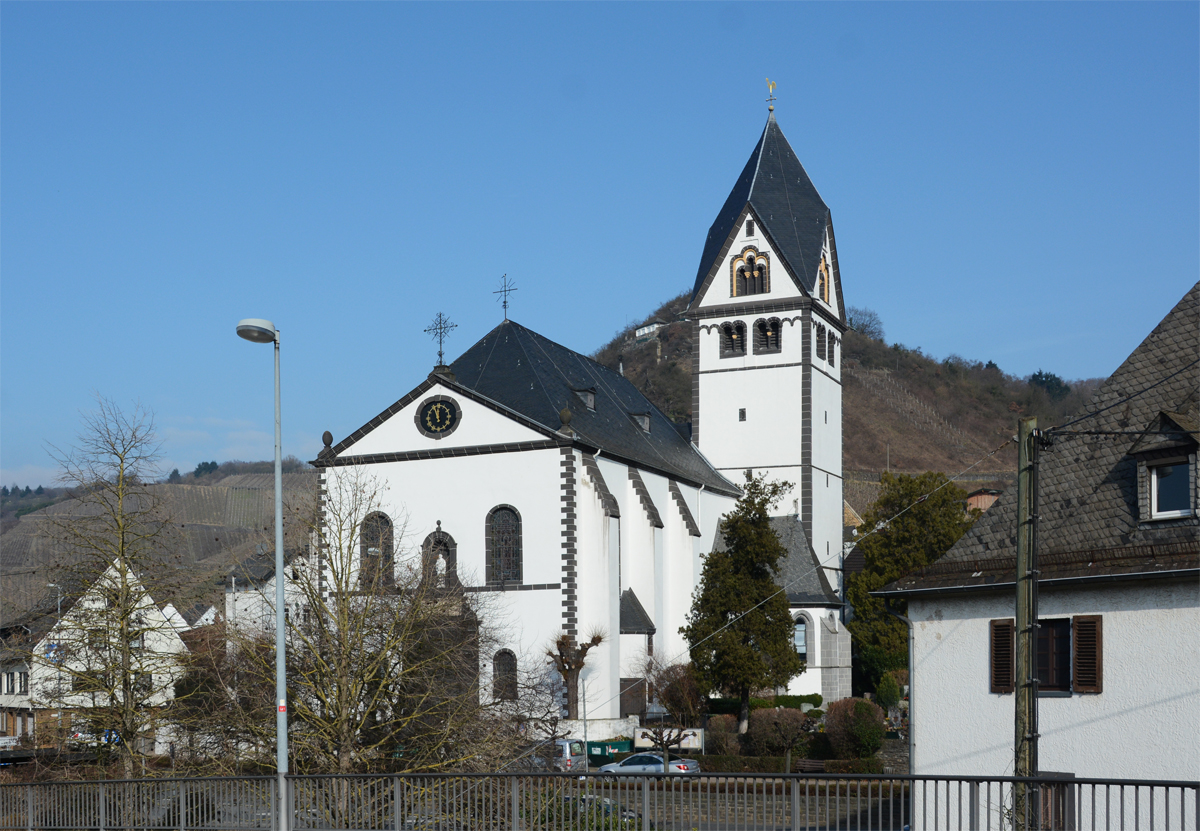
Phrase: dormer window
{"type": "Point", "coordinates": [1170, 490]}
{"type": "Point", "coordinates": [588, 397]}
{"type": "Point", "coordinates": [642, 420]}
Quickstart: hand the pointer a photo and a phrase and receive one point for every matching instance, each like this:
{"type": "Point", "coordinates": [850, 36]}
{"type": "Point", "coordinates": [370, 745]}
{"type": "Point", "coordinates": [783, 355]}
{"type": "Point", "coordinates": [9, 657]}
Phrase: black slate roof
{"type": "Point", "coordinates": [1088, 502]}
{"type": "Point", "coordinates": [800, 573]}
{"type": "Point", "coordinates": [634, 620]}
{"type": "Point", "coordinates": [787, 204]}
{"type": "Point", "coordinates": [536, 378]}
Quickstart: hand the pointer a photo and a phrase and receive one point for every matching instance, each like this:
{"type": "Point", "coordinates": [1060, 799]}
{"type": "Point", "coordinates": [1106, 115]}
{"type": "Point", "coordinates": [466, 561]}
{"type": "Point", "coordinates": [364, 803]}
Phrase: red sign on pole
{"type": "Point", "coordinates": [283, 708]}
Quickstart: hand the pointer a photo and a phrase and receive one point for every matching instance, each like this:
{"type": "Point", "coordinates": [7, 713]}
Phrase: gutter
{"type": "Point", "coordinates": [1174, 574]}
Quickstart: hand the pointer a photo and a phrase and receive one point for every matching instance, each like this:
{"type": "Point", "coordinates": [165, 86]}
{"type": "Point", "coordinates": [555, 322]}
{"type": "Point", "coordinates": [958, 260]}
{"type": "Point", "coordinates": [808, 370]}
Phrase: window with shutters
{"type": "Point", "coordinates": [1069, 655]}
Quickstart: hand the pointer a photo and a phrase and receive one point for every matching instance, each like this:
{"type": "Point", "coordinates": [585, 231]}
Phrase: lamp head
{"type": "Point", "coordinates": [257, 330]}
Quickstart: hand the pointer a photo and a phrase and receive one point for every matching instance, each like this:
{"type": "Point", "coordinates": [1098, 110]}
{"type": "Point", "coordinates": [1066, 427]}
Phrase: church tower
{"type": "Point", "coordinates": [768, 319]}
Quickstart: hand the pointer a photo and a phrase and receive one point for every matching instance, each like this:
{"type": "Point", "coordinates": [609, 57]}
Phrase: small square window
{"type": "Point", "coordinates": [1170, 491]}
{"type": "Point", "coordinates": [742, 414]}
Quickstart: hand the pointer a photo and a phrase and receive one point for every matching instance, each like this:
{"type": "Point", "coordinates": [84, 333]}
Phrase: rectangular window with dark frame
{"type": "Point", "coordinates": [749, 227]}
{"type": "Point", "coordinates": [1054, 655]}
{"type": "Point", "coordinates": [1069, 655]}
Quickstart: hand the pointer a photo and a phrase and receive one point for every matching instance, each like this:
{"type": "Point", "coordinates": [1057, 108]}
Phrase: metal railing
{"type": "Point", "coordinates": [573, 802]}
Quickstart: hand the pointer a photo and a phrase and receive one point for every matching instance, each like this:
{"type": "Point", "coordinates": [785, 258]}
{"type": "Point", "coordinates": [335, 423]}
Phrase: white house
{"type": "Point", "coordinates": [1119, 597]}
{"type": "Point", "coordinates": [529, 472]}
{"type": "Point", "coordinates": [56, 665]}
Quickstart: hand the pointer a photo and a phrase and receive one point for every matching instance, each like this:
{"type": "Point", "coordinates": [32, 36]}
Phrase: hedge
{"type": "Point", "coordinates": [874, 765]}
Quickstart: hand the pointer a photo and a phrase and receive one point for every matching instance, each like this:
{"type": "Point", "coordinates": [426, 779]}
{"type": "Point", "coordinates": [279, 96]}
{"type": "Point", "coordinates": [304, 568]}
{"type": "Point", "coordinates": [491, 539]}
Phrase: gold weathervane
{"type": "Point", "coordinates": [771, 95]}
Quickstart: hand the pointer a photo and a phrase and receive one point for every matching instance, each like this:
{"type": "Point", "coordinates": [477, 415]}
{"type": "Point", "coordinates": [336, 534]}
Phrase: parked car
{"type": "Point", "coordinates": [564, 755]}
{"type": "Point", "coordinates": [652, 763]}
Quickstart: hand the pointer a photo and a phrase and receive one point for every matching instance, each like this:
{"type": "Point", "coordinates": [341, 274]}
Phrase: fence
{"type": "Point", "coordinates": [533, 802]}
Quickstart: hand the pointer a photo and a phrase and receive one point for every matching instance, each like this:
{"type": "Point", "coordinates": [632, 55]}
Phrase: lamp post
{"type": "Point", "coordinates": [256, 330]}
{"type": "Point", "coordinates": [58, 660]}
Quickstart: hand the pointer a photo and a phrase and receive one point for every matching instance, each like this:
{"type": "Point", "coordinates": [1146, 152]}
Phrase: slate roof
{"type": "Point", "coordinates": [787, 204]}
{"type": "Point", "coordinates": [1088, 495]}
{"type": "Point", "coordinates": [535, 377]}
{"type": "Point", "coordinates": [800, 572]}
{"type": "Point", "coordinates": [634, 620]}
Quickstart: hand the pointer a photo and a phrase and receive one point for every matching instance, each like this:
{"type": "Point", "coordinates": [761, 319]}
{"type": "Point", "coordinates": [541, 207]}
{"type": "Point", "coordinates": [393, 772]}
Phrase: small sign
{"type": "Point", "coordinates": [283, 706]}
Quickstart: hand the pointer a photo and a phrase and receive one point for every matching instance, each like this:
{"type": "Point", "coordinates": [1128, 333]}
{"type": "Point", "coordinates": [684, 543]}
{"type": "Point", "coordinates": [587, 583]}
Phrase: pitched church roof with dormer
{"type": "Point", "coordinates": [786, 204]}
{"type": "Point", "coordinates": [516, 371]}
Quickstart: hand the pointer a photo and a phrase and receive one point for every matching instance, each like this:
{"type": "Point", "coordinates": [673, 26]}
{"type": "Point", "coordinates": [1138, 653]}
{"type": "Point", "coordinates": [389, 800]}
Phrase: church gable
{"type": "Point", "coordinates": [751, 268]}
{"type": "Point", "coordinates": [437, 416]}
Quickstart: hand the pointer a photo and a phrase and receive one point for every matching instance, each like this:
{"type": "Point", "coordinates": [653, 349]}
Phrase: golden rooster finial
{"type": "Point", "coordinates": [771, 95]}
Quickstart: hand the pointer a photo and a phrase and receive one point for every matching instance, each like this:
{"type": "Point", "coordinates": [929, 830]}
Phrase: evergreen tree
{"type": "Point", "coordinates": [26, 492]}
{"type": "Point", "coordinates": [740, 654]}
{"type": "Point", "coordinates": [899, 545]}
{"type": "Point", "coordinates": [1056, 388]}
{"type": "Point", "coordinates": [174, 478]}
{"type": "Point", "coordinates": [40, 490]}
{"type": "Point", "coordinates": [4, 490]}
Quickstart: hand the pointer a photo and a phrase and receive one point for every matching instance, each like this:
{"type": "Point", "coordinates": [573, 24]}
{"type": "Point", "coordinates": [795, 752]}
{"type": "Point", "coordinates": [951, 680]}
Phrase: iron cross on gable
{"type": "Point", "coordinates": [440, 327]}
{"type": "Point", "coordinates": [507, 287]}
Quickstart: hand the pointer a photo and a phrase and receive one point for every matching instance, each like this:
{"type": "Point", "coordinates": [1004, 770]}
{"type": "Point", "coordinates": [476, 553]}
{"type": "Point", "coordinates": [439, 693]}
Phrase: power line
{"type": "Point", "coordinates": [1179, 371]}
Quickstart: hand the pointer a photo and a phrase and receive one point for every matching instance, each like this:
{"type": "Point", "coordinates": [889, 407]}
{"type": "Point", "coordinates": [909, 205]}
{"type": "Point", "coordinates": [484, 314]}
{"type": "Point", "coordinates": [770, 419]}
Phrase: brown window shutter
{"type": "Point", "coordinates": [1087, 652]}
{"type": "Point", "coordinates": [1002, 637]}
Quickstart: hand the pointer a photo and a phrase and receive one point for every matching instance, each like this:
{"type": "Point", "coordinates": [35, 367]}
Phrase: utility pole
{"type": "Point", "coordinates": [1026, 732]}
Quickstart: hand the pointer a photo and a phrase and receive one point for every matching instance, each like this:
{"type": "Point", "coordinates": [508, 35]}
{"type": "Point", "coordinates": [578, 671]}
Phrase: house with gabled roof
{"type": "Point", "coordinates": [1119, 591]}
{"type": "Point", "coordinates": [530, 473]}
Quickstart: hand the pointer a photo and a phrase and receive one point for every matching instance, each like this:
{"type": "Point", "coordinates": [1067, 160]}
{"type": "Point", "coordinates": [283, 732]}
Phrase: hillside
{"type": "Point", "coordinates": [902, 410]}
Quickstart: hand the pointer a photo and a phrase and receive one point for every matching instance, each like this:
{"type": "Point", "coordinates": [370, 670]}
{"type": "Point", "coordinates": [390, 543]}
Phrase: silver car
{"type": "Point", "coordinates": [652, 763]}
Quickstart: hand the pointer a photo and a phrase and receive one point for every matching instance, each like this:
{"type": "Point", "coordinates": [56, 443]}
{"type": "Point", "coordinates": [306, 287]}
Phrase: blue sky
{"type": "Point", "coordinates": [1014, 182]}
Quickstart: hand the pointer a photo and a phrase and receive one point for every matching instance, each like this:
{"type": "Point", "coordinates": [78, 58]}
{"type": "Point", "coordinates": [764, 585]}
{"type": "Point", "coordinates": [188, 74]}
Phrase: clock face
{"type": "Point", "coordinates": [438, 417]}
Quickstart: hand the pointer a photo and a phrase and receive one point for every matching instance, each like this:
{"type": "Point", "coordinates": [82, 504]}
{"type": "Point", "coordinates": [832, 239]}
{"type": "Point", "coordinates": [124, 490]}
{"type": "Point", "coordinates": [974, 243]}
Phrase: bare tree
{"type": "Point", "coordinates": [110, 662]}
{"type": "Point", "coordinates": [382, 653]}
{"type": "Point", "coordinates": [675, 689]}
{"type": "Point", "coordinates": [865, 322]}
{"type": "Point", "coordinates": [569, 658]}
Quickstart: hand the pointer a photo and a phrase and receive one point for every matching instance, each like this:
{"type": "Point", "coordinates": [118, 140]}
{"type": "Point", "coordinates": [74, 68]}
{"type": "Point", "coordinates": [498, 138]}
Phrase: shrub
{"type": "Point", "coordinates": [887, 694]}
{"type": "Point", "coordinates": [855, 728]}
{"type": "Point", "coordinates": [722, 737]}
{"type": "Point", "coordinates": [772, 731]}
{"type": "Point", "coordinates": [732, 706]}
{"type": "Point", "coordinates": [901, 676]}
{"type": "Point", "coordinates": [854, 765]}
{"type": "Point", "coordinates": [793, 702]}
{"type": "Point", "coordinates": [712, 763]}
{"type": "Point", "coordinates": [818, 714]}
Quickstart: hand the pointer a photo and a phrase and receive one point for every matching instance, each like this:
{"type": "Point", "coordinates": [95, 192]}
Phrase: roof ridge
{"type": "Point", "coordinates": [758, 148]}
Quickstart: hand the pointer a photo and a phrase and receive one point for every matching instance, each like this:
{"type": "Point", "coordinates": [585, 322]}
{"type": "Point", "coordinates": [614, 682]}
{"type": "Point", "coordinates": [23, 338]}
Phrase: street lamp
{"type": "Point", "coordinates": [256, 330]}
{"type": "Point", "coordinates": [58, 660]}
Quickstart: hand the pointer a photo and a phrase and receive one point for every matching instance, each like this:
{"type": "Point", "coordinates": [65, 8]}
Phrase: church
{"type": "Point", "coordinates": [530, 472]}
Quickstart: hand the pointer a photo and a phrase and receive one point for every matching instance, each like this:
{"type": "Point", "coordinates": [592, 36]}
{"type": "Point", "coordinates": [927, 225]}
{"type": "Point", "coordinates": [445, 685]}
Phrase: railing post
{"type": "Point", "coordinates": [795, 783]}
{"type": "Point", "coordinates": [276, 804]}
{"type": "Point", "coordinates": [973, 809]}
{"type": "Point", "coordinates": [29, 807]}
{"type": "Point", "coordinates": [645, 800]}
{"type": "Point", "coordinates": [182, 805]}
{"type": "Point", "coordinates": [396, 802]}
{"type": "Point", "coordinates": [103, 807]}
{"type": "Point", "coordinates": [515, 802]}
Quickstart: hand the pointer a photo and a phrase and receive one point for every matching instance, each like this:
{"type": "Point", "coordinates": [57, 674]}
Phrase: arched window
{"type": "Point", "coordinates": [766, 336]}
{"type": "Point", "coordinates": [733, 339]}
{"type": "Point", "coordinates": [375, 551]}
{"type": "Point", "coordinates": [439, 554]}
{"type": "Point", "coordinates": [821, 342]}
{"type": "Point", "coordinates": [504, 676]}
{"type": "Point", "coordinates": [801, 636]}
{"type": "Point", "coordinates": [750, 273]}
{"type": "Point", "coordinates": [823, 280]}
{"type": "Point", "coordinates": [503, 545]}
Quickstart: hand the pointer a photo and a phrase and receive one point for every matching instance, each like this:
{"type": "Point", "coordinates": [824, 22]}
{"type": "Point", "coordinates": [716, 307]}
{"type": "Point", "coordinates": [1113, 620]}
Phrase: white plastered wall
{"type": "Point", "coordinates": [1142, 725]}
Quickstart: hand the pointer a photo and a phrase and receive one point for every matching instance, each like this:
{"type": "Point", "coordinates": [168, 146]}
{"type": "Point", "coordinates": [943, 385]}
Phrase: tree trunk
{"type": "Point", "coordinates": [744, 713]}
{"type": "Point", "coordinates": [572, 682]}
